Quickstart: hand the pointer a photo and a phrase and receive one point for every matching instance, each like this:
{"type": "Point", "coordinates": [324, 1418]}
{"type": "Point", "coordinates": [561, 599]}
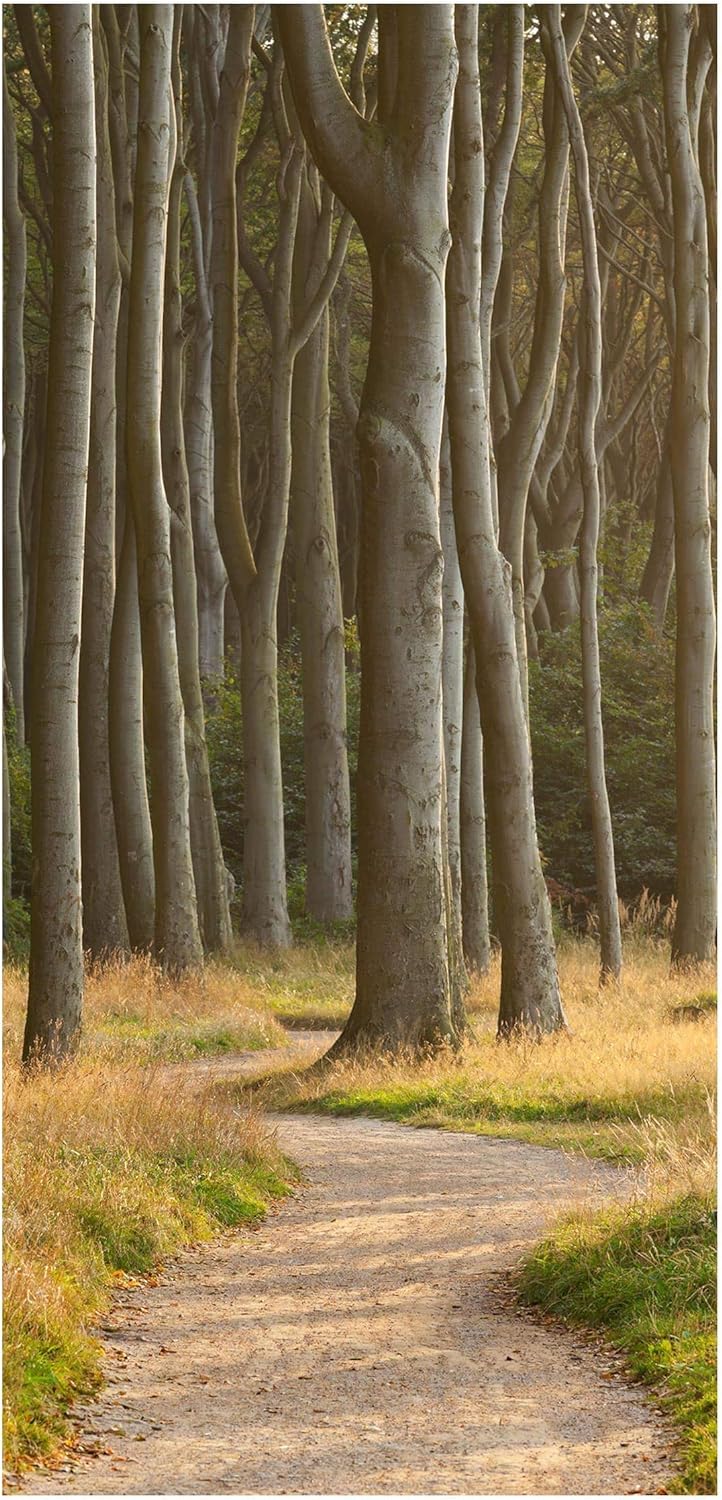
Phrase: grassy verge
{"type": "Point", "coordinates": [627, 1059]}
{"type": "Point", "coordinates": [632, 1081]}
{"type": "Point", "coordinates": [107, 1171]}
{"type": "Point", "coordinates": [133, 1013]}
{"type": "Point", "coordinates": [646, 1276]}
{"type": "Point", "coordinates": [307, 987]}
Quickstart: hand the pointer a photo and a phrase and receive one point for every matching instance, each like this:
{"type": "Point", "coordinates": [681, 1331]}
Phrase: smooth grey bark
{"type": "Point", "coordinates": [530, 407]}
{"type": "Point", "coordinates": [329, 896]}
{"type": "Point", "coordinates": [13, 418]}
{"type": "Point", "coordinates": [452, 684]}
{"type": "Point", "coordinates": [56, 939]}
{"type": "Point", "coordinates": [530, 997]}
{"type": "Point", "coordinates": [392, 177]}
{"type": "Point", "coordinates": [177, 942]}
{"type": "Point", "coordinates": [125, 680]}
{"type": "Point", "coordinates": [685, 60]}
{"type": "Point", "coordinates": [253, 579]}
{"type": "Point", "coordinates": [588, 405]}
{"type": "Point", "coordinates": [104, 923]}
{"type": "Point", "coordinates": [472, 829]}
{"type": "Point", "coordinates": [209, 870]}
{"type": "Point", "coordinates": [211, 575]}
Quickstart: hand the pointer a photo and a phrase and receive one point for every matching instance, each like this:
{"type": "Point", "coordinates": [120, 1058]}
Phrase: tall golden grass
{"type": "Point", "coordinates": [134, 1012]}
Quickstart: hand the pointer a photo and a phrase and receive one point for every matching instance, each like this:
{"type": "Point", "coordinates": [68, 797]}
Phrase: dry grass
{"type": "Point", "coordinates": [304, 986]}
{"type": "Point", "coordinates": [133, 1013]}
{"type": "Point", "coordinates": [625, 1061]}
{"type": "Point", "coordinates": [107, 1169]}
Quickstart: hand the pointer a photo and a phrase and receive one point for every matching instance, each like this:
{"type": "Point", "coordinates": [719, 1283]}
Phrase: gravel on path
{"type": "Point", "coordinates": [363, 1340]}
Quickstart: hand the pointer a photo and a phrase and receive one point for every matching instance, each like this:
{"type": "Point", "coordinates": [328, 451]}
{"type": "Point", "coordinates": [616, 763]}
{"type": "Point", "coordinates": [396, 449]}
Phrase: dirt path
{"type": "Point", "coordinates": [360, 1342]}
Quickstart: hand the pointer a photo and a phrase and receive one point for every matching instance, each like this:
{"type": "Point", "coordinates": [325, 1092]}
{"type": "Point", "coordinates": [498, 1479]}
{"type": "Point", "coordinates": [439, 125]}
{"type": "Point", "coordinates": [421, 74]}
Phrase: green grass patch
{"type": "Point", "coordinates": [606, 1127]}
{"type": "Point", "coordinates": [139, 1040]}
{"type": "Point", "coordinates": [122, 1213]}
{"type": "Point", "coordinates": [646, 1275]}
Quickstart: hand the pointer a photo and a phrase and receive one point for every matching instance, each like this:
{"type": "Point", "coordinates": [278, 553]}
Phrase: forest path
{"type": "Point", "coordinates": [362, 1341]}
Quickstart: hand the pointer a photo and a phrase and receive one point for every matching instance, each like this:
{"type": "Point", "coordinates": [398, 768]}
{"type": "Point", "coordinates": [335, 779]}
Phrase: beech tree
{"type": "Point", "coordinates": [529, 985]}
{"type": "Point", "coordinates": [56, 940]}
{"type": "Point", "coordinates": [13, 418]}
{"type": "Point", "coordinates": [176, 935]}
{"type": "Point", "coordinates": [686, 56]}
{"type": "Point", "coordinates": [392, 176]}
{"type": "Point", "coordinates": [588, 404]}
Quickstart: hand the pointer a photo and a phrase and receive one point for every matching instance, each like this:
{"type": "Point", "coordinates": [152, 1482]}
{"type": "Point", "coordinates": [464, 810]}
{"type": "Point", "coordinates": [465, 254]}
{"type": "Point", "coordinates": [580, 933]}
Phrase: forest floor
{"type": "Point", "coordinates": [383, 1289]}
{"type": "Point", "coordinates": [364, 1340]}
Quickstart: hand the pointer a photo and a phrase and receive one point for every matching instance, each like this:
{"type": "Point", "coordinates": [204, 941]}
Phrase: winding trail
{"type": "Point", "coordinates": [362, 1340]}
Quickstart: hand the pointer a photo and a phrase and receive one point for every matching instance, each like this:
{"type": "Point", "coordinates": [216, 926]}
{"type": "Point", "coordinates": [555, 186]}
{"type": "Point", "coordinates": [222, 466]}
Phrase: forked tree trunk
{"type": "Point", "coordinates": [104, 923]}
{"type": "Point", "coordinates": [176, 936]}
{"type": "Point", "coordinates": [393, 180]}
{"type": "Point", "coordinates": [686, 57]}
{"type": "Point", "coordinates": [13, 420]}
{"type": "Point", "coordinates": [530, 996]}
{"type": "Point", "coordinates": [590, 369]}
{"type": "Point", "coordinates": [56, 933]}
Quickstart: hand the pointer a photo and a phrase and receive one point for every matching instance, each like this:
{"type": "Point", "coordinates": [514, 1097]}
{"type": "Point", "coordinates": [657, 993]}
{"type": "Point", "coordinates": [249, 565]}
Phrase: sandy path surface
{"type": "Point", "coordinates": [361, 1342]}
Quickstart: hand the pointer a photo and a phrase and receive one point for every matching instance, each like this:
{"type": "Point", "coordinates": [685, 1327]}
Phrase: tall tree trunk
{"type": "Point", "coordinates": [686, 56]}
{"type": "Point", "coordinates": [208, 867]}
{"type": "Point", "coordinates": [56, 935]}
{"type": "Point", "coordinates": [254, 582]}
{"type": "Point", "coordinates": [318, 591]}
{"type": "Point", "coordinates": [393, 180]}
{"type": "Point", "coordinates": [610, 936]}
{"type": "Point", "coordinates": [210, 572]}
{"type": "Point", "coordinates": [452, 679]}
{"type": "Point", "coordinates": [13, 419]}
{"type": "Point", "coordinates": [104, 922]}
{"type": "Point", "coordinates": [125, 684]}
{"type": "Point", "coordinates": [529, 983]}
{"type": "Point", "coordinates": [472, 830]}
{"type": "Point", "coordinates": [518, 450]}
{"type": "Point", "coordinates": [176, 937]}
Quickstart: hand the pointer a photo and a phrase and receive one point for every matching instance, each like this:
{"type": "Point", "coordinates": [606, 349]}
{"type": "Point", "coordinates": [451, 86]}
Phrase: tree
{"type": "Point", "coordinates": [13, 417]}
{"type": "Point", "coordinates": [589, 400]}
{"type": "Point", "coordinates": [56, 946]}
{"type": "Point", "coordinates": [529, 984]}
{"type": "Point", "coordinates": [125, 674]}
{"type": "Point", "coordinates": [104, 922]}
{"type": "Point", "coordinates": [209, 871]}
{"type": "Point", "coordinates": [391, 174]}
{"type": "Point", "coordinates": [176, 937]}
{"type": "Point", "coordinates": [686, 56]}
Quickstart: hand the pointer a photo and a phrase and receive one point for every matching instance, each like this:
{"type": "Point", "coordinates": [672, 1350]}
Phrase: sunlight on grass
{"type": "Point", "coordinates": [132, 1012]}
{"type": "Point", "coordinates": [624, 1060]}
{"type": "Point", "coordinates": [107, 1169]}
{"type": "Point", "coordinates": [304, 987]}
